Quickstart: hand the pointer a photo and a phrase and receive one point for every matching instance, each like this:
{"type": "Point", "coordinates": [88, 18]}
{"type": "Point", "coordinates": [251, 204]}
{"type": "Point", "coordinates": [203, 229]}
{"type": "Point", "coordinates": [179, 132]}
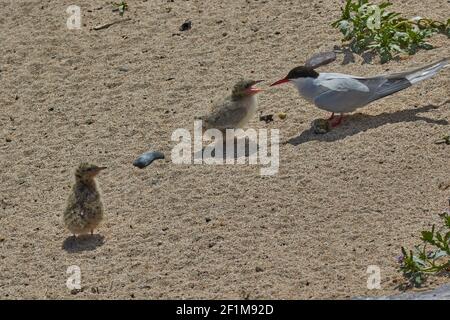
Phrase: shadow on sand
{"type": "Point", "coordinates": [82, 243]}
{"type": "Point", "coordinates": [245, 145]}
{"type": "Point", "coordinates": [356, 123]}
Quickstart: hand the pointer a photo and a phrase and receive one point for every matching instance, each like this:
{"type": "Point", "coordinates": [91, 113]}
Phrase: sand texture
{"type": "Point", "coordinates": [340, 202]}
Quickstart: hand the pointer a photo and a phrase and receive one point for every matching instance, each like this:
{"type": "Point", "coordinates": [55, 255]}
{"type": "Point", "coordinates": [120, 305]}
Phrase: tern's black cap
{"type": "Point", "coordinates": [302, 72]}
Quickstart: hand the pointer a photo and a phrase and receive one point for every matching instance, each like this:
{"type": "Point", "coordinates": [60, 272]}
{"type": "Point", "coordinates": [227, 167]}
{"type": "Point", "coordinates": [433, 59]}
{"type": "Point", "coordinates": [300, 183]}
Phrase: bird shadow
{"type": "Point", "coordinates": [82, 243]}
{"type": "Point", "coordinates": [356, 123]}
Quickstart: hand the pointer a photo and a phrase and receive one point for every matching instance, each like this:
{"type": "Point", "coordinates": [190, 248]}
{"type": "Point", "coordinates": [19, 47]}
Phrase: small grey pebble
{"type": "Point", "coordinates": [147, 158]}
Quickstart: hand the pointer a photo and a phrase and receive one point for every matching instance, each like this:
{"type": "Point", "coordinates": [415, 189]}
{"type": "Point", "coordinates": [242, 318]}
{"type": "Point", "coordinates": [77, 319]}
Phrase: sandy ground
{"type": "Point", "coordinates": [340, 202]}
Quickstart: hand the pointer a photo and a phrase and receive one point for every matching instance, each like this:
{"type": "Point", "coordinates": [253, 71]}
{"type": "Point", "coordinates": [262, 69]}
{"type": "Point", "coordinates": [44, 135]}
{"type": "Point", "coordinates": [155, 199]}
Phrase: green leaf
{"type": "Point", "coordinates": [428, 236]}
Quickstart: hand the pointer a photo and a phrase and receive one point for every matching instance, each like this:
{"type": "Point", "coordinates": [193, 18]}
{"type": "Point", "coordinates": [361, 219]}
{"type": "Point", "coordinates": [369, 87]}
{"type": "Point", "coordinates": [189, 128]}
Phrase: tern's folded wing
{"type": "Point", "coordinates": [341, 82]}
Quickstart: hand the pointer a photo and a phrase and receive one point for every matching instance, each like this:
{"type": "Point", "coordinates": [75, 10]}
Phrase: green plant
{"type": "Point", "coordinates": [430, 257]}
{"type": "Point", "coordinates": [122, 7]}
{"type": "Point", "coordinates": [371, 27]}
{"type": "Point", "coordinates": [444, 140]}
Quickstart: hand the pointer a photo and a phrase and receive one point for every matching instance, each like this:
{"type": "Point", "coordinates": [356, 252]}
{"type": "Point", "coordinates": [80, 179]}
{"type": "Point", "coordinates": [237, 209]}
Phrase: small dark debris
{"type": "Point", "coordinates": [259, 269]}
{"type": "Point", "coordinates": [444, 185]}
{"type": "Point", "coordinates": [75, 291]}
{"type": "Point", "coordinates": [266, 118]}
{"type": "Point", "coordinates": [187, 25]}
{"type": "Point", "coordinates": [208, 219]}
{"type": "Point", "coordinates": [95, 290]}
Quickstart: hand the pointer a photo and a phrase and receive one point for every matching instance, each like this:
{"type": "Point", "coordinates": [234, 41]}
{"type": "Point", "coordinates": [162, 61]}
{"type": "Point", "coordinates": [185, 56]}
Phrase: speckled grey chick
{"type": "Point", "coordinates": [236, 110]}
{"type": "Point", "coordinates": [84, 210]}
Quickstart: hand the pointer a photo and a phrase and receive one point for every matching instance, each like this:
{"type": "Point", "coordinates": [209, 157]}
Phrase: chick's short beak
{"type": "Point", "coordinates": [253, 90]}
{"type": "Point", "coordinates": [284, 80]}
{"type": "Point", "coordinates": [98, 170]}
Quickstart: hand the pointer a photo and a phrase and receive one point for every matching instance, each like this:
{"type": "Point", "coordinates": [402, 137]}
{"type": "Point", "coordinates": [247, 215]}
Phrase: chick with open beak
{"type": "Point", "coordinates": [236, 110]}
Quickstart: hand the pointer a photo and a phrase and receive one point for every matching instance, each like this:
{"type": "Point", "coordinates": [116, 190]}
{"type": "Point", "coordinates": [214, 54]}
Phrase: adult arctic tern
{"type": "Point", "coordinates": [342, 93]}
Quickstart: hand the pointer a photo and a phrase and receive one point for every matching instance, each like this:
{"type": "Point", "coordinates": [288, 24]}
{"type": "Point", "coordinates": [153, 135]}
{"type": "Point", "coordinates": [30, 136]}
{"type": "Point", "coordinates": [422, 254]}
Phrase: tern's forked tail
{"type": "Point", "coordinates": [425, 72]}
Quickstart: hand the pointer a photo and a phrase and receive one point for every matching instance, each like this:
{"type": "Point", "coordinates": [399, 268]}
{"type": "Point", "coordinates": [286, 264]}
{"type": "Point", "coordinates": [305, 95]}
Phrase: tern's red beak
{"type": "Point", "coordinates": [279, 82]}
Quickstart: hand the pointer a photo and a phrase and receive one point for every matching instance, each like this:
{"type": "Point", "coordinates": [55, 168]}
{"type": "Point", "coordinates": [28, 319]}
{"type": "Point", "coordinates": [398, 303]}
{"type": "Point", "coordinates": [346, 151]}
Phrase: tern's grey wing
{"type": "Point", "coordinates": [341, 101]}
{"type": "Point", "coordinates": [383, 86]}
{"type": "Point", "coordinates": [341, 93]}
{"type": "Point", "coordinates": [348, 95]}
{"type": "Point", "coordinates": [345, 93]}
{"type": "Point", "coordinates": [320, 59]}
{"type": "Point", "coordinates": [341, 82]}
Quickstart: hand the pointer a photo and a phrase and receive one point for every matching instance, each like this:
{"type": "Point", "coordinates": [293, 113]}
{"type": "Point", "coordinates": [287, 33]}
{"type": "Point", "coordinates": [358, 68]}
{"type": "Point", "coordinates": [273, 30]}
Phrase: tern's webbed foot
{"type": "Point", "coordinates": [337, 122]}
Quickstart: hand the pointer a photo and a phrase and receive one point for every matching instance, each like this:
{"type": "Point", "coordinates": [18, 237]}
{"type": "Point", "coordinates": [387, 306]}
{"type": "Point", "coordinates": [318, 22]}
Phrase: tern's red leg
{"type": "Point", "coordinates": [338, 121]}
{"type": "Point", "coordinates": [331, 117]}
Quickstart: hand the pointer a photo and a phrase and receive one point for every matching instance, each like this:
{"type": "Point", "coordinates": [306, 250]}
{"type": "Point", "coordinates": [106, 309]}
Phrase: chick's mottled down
{"type": "Point", "coordinates": [84, 210]}
{"type": "Point", "coordinates": [236, 110]}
